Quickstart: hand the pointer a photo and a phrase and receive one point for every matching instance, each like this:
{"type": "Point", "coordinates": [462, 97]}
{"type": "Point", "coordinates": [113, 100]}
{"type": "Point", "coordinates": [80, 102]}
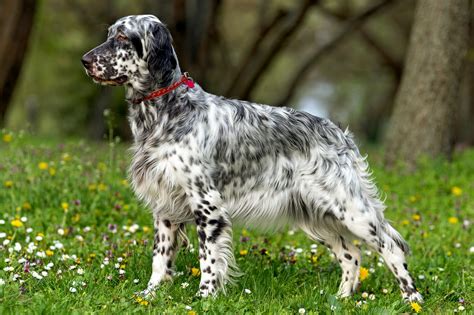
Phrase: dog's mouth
{"type": "Point", "coordinates": [120, 80]}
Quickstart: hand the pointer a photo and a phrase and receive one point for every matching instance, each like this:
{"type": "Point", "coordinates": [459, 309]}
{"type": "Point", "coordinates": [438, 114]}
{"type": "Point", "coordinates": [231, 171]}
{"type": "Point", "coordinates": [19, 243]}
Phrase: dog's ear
{"type": "Point", "coordinates": [137, 44]}
{"type": "Point", "coordinates": [161, 58]}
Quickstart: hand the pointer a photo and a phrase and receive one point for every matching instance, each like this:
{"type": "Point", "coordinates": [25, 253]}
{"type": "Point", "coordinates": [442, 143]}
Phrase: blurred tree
{"type": "Point", "coordinates": [254, 46]}
{"type": "Point", "coordinates": [426, 103]}
{"type": "Point", "coordinates": [375, 113]}
{"type": "Point", "coordinates": [16, 20]}
{"type": "Point", "coordinates": [260, 57]}
{"type": "Point", "coordinates": [352, 25]}
{"type": "Point", "coordinates": [465, 125]}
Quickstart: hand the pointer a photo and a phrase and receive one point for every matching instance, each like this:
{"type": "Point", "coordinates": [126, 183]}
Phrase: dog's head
{"type": "Point", "coordinates": [138, 49]}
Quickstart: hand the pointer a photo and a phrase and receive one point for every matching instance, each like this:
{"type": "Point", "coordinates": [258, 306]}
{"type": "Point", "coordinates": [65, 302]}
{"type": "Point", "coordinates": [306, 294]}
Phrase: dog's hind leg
{"type": "Point", "coordinates": [347, 254]}
{"type": "Point", "coordinates": [371, 228]}
{"type": "Point", "coordinates": [349, 259]}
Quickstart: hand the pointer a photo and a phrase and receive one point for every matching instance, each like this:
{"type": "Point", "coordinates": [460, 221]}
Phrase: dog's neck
{"type": "Point", "coordinates": [149, 115]}
{"type": "Point", "coordinates": [151, 82]}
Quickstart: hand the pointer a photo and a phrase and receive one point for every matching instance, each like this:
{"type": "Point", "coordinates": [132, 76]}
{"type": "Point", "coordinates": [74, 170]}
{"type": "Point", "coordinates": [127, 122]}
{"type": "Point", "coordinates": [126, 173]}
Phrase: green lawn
{"type": "Point", "coordinates": [73, 239]}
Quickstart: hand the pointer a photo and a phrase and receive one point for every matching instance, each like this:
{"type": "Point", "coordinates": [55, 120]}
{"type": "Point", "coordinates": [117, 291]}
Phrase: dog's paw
{"type": "Point", "coordinates": [413, 297]}
{"type": "Point", "coordinates": [206, 291]}
{"type": "Point", "coordinates": [149, 292]}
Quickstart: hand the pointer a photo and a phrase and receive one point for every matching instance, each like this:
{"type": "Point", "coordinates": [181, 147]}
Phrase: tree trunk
{"type": "Point", "coordinates": [16, 20]}
{"type": "Point", "coordinates": [425, 106]}
{"type": "Point", "coordinates": [465, 125]}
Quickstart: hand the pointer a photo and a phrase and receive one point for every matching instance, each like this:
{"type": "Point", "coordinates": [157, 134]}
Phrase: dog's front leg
{"type": "Point", "coordinates": [215, 241]}
{"type": "Point", "coordinates": [164, 252]}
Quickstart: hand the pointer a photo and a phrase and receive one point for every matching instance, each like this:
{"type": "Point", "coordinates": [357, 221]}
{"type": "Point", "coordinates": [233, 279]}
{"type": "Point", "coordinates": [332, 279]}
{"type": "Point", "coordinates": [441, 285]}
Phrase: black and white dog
{"type": "Point", "coordinates": [204, 158]}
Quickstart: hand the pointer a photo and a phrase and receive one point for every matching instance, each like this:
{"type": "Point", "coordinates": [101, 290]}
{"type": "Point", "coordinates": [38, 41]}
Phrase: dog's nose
{"type": "Point", "coordinates": [87, 61]}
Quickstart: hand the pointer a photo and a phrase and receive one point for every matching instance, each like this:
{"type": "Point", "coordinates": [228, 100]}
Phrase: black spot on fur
{"type": "Point", "coordinates": [137, 44]}
{"type": "Point", "coordinates": [202, 236]}
{"type": "Point", "coordinates": [219, 226]}
{"type": "Point", "coordinates": [404, 281]}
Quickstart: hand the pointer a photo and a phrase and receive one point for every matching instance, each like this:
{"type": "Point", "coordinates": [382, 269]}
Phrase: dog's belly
{"type": "Point", "coordinates": [268, 210]}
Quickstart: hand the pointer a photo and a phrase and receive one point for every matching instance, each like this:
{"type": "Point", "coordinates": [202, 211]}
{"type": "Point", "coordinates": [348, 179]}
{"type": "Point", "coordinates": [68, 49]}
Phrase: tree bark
{"type": "Point", "coordinates": [16, 20]}
{"type": "Point", "coordinates": [426, 103]}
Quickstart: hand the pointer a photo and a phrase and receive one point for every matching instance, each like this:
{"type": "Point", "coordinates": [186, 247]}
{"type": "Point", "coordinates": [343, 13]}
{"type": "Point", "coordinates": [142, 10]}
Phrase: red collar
{"type": "Point", "coordinates": [185, 79]}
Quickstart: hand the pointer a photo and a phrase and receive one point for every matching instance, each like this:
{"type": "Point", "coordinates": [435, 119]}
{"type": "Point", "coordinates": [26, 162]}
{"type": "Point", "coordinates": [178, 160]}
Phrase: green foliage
{"type": "Point", "coordinates": [76, 195]}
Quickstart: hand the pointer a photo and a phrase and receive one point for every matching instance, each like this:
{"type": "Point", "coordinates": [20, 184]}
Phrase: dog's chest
{"type": "Point", "coordinates": [155, 181]}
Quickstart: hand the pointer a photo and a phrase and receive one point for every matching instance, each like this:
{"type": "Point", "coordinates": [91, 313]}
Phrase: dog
{"type": "Point", "coordinates": [204, 158]}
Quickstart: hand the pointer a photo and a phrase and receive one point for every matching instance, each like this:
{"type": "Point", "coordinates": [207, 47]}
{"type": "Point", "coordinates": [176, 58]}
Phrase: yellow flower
{"type": "Point", "coordinates": [102, 187]}
{"type": "Point", "coordinates": [243, 252]}
{"type": "Point", "coordinates": [92, 187]}
{"type": "Point", "coordinates": [245, 232]}
{"type": "Point", "coordinates": [364, 273]}
{"type": "Point", "coordinates": [144, 302]}
{"type": "Point", "coordinates": [455, 190]}
{"type": "Point", "coordinates": [17, 223]}
{"type": "Point", "coordinates": [26, 206]}
{"type": "Point", "coordinates": [356, 242]}
{"type": "Point", "coordinates": [52, 171]}
{"type": "Point", "coordinates": [8, 184]}
{"type": "Point", "coordinates": [101, 166]}
{"type": "Point", "coordinates": [195, 272]}
{"type": "Point", "coordinates": [65, 206]}
{"type": "Point", "coordinates": [453, 220]}
{"type": "Point", "coordinates": [49, 252]}
{"type": "Point", "coordinates": [416, 217]}
{"type": "Point", "coordinates": [416, 307]}
{"type": "Point", "coordinates": [314, 259]}
{"type": "Point", "coordinates": [413, 199]}
{"type": "Point", "coordinates": [124, 182]}
{"type": "Point", "coordinates": [192, 312]}
{"type": "Point", "coordinates": [75, 218]}
{"type": "Point", "coordinates": [7, 137]}
{"type": "Point", "coordinates": [43, 166]}
{"type": "Point", "coordinates": [405, 222]}
{"type": "Point", "coordinates": [137, 298]}
{"type": "Point", "coordinates": [146, 229]}
{"type": "Point", "coordinates": [66, 157]}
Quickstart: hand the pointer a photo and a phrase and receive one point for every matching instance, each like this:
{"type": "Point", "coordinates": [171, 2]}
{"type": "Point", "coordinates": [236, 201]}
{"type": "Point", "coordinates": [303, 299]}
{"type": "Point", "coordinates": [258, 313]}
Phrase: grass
{"type": "Point", "coordinates": [73, 239]}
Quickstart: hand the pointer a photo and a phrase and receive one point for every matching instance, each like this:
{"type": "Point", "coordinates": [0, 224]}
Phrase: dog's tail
{"type": "Point", "coordinates": [396, 237]}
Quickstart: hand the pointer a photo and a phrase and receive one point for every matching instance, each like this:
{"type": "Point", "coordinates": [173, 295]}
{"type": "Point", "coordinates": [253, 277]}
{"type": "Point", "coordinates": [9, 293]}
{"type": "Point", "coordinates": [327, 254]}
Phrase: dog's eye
{"type": "Point", "coordinates": [121, 37]}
